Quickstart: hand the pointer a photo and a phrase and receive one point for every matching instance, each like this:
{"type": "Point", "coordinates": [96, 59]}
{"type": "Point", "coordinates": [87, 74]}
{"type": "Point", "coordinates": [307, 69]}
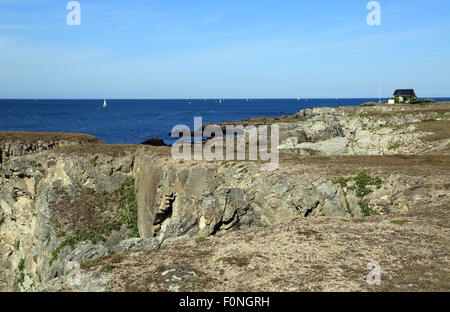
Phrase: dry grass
{"type": "Point", "coordinates": [440, 130]}
{"type": "Point", "coordinates": [30, 137]}
{"type": "Point", "coordinates": [111, 149]}
{"type": "Point", "coordinates": [428, 110]}
{"type": "Point", "coordinates": [361, 161]}
{"type": "Point", "coordinates": [86, 215]}
{"type": "Point", "coordinates": [412, 250]}
{"type": "Point", "coordinates": [240, 261]}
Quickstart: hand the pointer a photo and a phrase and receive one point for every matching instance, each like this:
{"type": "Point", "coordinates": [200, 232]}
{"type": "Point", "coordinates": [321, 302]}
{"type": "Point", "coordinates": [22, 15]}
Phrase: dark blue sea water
{"type": "Point", "coordinates": [134, 121]}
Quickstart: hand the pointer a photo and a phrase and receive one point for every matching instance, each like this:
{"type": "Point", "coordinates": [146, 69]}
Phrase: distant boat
{"type": "Point", "coordinates": [104, 104]}
{"type": "Point", "coordinates": [298, 99]}
{"type": "Point", "coordinates": [220, 101]}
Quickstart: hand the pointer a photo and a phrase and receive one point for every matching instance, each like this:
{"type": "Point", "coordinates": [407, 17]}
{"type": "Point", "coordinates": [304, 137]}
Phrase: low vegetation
{"type": "Point", "coordinates": [368, 104]}
{"type": "Point", "coordinates": [30, 137]}
{"type": "Point", "coordinates": [360, 185]}
{"type": "Point", "coordinates": [362, 180]}
{"type": "Point", "coordinates": [240, 261]}
{"type": "Point", "coordinates": [399, 222]}
{"type": "Point", "coordinates": [365, 210]}
{"type": "Point", "coordinates": [394, 146]}
{"type": "Point", "coordinates": [90, 263]}
{"type": "Point", "coordinates": [342, 181]}
{"type": "Point", "coordinates": [425, 101]}
{"type": "Point", "coordinates": [199, 240]}
{"type": "Point", "coordinates": [91, 216]}
{"type": "Point", "coordinates": [20, 273]}
{"type": "Point", "coordinates": [107, 268]}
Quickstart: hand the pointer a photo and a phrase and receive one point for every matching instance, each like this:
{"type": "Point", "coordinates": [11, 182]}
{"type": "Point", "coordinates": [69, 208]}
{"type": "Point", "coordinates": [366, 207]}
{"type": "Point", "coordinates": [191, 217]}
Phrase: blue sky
{"type": "Point", "coordinates": [223, 49]}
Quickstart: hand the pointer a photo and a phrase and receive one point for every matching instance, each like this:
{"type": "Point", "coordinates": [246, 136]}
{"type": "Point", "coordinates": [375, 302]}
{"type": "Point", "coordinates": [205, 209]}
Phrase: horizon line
{"type": "Point", "coordinates": [219, 98]}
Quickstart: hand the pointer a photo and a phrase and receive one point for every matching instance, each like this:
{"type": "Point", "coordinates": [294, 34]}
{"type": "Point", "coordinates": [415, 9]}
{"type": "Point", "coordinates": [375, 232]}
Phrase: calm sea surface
{"type": "Point", "coordinates": [134, 121]}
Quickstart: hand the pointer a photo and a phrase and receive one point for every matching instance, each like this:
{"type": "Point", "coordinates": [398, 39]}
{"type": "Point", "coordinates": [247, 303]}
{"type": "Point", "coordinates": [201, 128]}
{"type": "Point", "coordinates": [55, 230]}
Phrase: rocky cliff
{"type": "Point", "coordinates": [13, 144]}
{"type": "Point", "coordinates": [376, 130]}
{"type": "Point", "coordinates": [81, 203]}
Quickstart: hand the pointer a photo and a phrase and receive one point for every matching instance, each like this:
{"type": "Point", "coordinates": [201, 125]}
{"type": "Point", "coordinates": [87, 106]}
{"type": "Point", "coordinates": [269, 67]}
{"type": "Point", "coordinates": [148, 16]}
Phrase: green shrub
{"type": "Point", "coordinates": [21, 275]}
{"type": "Point", "coordinates": [71, 241]}
{"type": "Point", "coordinates": [107, 268]}
{"type": "Point", "coordinates": [200, 239]}
{"type": "Point", "coordinates": [128, 206]}
{"type": "Point", "coordinates": [362, 180]}
{"type": "Point", "coordinates": [368, 104]}
{"type": "Point", "coordinates": [342, 181]}
{"type": "Point", "coordinates": [347, 205]}
{"type": "Point", "coordinates": [365, 210]}
{"type": "Point", "coordinates": [442, 116]}
{"type": "Point", "coordinates": [425, 101]}
{"type": "Point", "coordinates": [21, 265]}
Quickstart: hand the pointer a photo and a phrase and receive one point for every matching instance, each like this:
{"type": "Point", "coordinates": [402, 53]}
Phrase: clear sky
{"type": "Point", "coordinates": [223, 49]}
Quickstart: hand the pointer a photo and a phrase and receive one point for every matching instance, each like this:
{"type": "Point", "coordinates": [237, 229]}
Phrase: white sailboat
{"type": "Point", "coordinates": [104, 104]}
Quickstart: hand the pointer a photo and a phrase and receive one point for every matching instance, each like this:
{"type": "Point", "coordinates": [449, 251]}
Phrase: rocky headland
{"type": "Point", "coordinates": [354, 185]}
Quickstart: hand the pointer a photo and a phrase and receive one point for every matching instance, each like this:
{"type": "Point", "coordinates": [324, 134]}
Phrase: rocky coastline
{"type": "Point", "coordinates": [355, 184]}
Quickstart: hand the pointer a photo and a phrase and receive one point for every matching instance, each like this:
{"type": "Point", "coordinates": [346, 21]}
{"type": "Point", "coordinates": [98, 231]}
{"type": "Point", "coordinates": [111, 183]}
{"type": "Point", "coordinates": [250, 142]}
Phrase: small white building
{"type": "Point", "coordinates": [391, 101]}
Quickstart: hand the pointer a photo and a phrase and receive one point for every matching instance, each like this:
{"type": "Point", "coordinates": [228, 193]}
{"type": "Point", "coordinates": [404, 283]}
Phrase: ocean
{"type": "Point", "coordinates": [134, 121]}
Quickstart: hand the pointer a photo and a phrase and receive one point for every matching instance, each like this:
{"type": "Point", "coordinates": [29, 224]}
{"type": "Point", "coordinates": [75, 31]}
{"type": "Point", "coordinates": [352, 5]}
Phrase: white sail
{"type": "Point", "coordinates": [104, 103]}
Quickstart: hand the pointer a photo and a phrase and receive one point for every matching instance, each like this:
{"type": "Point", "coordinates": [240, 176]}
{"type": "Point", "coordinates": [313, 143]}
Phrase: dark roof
{"type": "Point", "coordinates": [404, 92]}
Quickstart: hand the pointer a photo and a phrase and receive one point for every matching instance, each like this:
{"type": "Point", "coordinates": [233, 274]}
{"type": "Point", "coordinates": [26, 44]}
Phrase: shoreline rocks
{"type": "Point", "coordinates": [154, 142]}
